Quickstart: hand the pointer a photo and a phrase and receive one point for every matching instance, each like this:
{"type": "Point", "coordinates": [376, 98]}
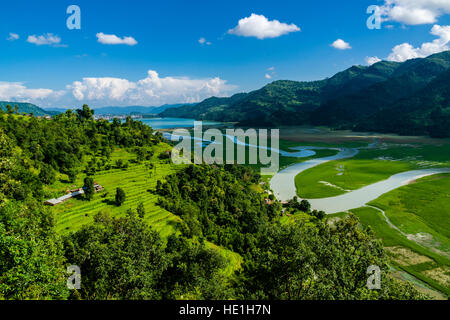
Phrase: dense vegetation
{"type": "Point", "coordinates": [218, 204]}
{"type": "Point", "coordinates": [123, 257]}
{"type": "Point", "coordinates": [406, 98]}
{"type": "Point", "coordinates": [26, 108]}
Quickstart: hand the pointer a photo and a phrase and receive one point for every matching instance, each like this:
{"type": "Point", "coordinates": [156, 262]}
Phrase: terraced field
{"type": "Point", "coordinates": [136, 181]}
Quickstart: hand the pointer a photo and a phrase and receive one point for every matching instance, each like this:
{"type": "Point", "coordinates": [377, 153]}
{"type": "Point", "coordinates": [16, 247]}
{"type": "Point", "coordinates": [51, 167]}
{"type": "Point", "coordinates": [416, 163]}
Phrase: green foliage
{"type": "Point", "coordinates": [141, 210]}
{"type": "Point", "coordinates": [193, 272]}
{"type": "Point", "coordinates": [218, 203]}
{"type": "Point", "coordinates": [47, 175]}
{"type": "Point", "coordinates": [88, 188]}
{"type": "Point", "coordinates": [304, 261]}
{"type": "Point", "coordinates": [119, 258]}
{"type": "Point", "coordinates": [120, 197]}
{"type": "Point", "coordinates": [31, 256]}
{"type": "Point", "coordinates": [27, 108]}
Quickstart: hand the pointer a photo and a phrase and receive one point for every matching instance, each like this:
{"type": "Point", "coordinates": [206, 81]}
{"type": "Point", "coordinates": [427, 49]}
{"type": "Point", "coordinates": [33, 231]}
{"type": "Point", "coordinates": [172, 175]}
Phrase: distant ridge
{"type": "Point", "coordinates": [25, 107]}
{"type": "Point", "coordinates": [113, 110]}
{"type": "Point", "coordinates": [409, 98]}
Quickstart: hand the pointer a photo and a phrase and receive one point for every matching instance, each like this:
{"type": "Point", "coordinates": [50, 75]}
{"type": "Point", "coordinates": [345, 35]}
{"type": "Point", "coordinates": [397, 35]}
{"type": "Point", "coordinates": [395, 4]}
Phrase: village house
{"type": "Point", "coordinates": [71, 194]}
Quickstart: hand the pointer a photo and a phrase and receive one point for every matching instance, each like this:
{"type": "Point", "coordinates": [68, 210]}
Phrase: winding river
{"type": "Point", "coordinates": [283, 182]}
{"type": "Point", "coordinates": [283, 185]}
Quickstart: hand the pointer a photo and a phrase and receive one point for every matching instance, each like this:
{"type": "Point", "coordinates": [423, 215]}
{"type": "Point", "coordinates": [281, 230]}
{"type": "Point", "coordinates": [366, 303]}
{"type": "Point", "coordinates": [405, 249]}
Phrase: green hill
{"type": "Point", "coordinates": [351, 99]}
{"type": "Point", "coordinates": [24, 107]}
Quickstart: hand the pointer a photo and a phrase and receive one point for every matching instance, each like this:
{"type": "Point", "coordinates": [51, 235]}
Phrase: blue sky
{"type": "Point", "coordinates": [51, 70]}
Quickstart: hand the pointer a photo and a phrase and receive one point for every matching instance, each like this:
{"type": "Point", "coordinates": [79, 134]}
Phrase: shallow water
{"type": "Point", "coordinates": [283, 182]}
{"type": "Point", "coordinates": [168, 123]}
{"type": "Point", "coordinates": [361, 197]}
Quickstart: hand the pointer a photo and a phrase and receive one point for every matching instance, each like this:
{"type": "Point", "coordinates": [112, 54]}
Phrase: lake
{"type": "Point", "coordinates": [169, 123]}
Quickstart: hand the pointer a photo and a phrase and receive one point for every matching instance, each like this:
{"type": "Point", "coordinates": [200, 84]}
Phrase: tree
{"type": "Point", "coordinates": [31, 256]}
{"type": "Point", "coordinates": [194, 271]}
{"type": "Point", "coordinates": [120, 196]}
{"type": "Point", "coordinates": [304, 206]}
{"type": "Point", "coordinates": [300, 260]}
{"type": "Point", "coordinates": [141, 210]}
{"type": "Point", "coordinates": [85, 113]}
{"type": "Point", "coordinates": [120, 258]}
{"type": "Point", "coordinates": [72, 174]}
{"type": "Point", "coordinates": [47, 174]}
{"type": "Point", "coordinates": [9, 109]}
{"type": "Point", "coordinates": [88, 188]}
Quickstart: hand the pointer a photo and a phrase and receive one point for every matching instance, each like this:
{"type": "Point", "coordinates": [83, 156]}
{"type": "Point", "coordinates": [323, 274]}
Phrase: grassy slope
{"type": "Point", "coordinates": [368, 167]}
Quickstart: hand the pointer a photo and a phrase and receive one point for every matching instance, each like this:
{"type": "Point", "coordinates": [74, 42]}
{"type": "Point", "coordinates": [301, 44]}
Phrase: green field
{"type": "Point", "coordinates": [337, 177]}
{"type": "Point", "coordinates": [137, 183]}
{"type": "Point", "coordinates": [420, 208]}
{"type": "Point", "coordinates": [369, 166]}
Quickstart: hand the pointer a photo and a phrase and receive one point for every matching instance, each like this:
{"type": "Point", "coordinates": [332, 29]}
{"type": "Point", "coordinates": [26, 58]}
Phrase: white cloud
{"type": "Point", "coordinates": [114, 40]}
{"type": "Point", "coordinates": [45, 39]}
{"type": "Point", "coordinates": [17, 91]}
{"type": "Point", "coordinates": [268, 76]}
{"type": "Point", "coordinates": [372, 60]}
{"type": "Point", "coordinates": [414, 12]}
{"type": "Point", "coordinates": [13, 36]}
{"type": "Point", "coordinates": [341, 45]}
{"type": "Point", "coordinates": [203, 41]}
{"type": "Point", "coordinates": [260, 27]}
{"type": "Point", "coordinates": [406, 51]}
{"type": "Point", "coordinates": [271, 69]}
{"type": "Point", "coordinates": [153, 90]}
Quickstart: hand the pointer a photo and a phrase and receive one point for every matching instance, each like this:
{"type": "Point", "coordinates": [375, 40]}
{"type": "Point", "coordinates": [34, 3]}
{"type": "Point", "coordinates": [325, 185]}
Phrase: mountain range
{"type": "Point", "coordinates": [405, 98]}
{"type": "Point", "coordinates": [112, 110]}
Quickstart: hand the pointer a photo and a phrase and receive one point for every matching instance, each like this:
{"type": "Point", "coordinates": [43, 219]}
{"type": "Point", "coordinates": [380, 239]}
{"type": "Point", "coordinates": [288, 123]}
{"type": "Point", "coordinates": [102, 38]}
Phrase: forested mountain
{"type": "Point", "coordinates": [346, 100]}
{"type": "Point", "coordinates": [425, 111]}
{"type": "Point", "coordinates": [23, 107]}
{"type": "Point", "coordinates": [409, 78]}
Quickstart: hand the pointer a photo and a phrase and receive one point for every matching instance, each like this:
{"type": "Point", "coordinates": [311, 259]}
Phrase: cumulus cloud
{"type": "Point", "coordinates": [406, 51]}
{"type": "Point", "coordinates": [112, 39]}
{"type": "Point", "coordinates": [45, 39]}
{"type": "Point", "coordinates": [372, 60]}
{"type": "Point", "coordinates": [414, 12]}
{"type": "Point", "coordinates": [17, 91]}
{"type": "Point", "coordinates": [341, 45]}
{"type": "Point", "coordinates": [267, 76]}
{"type": "Point", "coordinates": [260, 27]}
{"type": "Point", "coordinates": [152, 90]}
{"type": "Point", "coordinates": [13, 37]}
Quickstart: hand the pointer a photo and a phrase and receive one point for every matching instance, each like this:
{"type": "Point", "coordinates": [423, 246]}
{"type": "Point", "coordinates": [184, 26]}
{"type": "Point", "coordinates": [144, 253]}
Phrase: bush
{"type": "Point", "coordinates": [120, 196]}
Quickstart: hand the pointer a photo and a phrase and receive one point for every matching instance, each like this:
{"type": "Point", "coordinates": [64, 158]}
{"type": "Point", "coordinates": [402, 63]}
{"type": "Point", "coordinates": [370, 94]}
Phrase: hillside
{"type": "Point", "coordinates": [409, 78]}
{"type": "Point", "coordinates": [28, 108]}
{"type": "Point", "coordinates": [346, 100]}
{"type": "Point", "coordinates": [427, 111]}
